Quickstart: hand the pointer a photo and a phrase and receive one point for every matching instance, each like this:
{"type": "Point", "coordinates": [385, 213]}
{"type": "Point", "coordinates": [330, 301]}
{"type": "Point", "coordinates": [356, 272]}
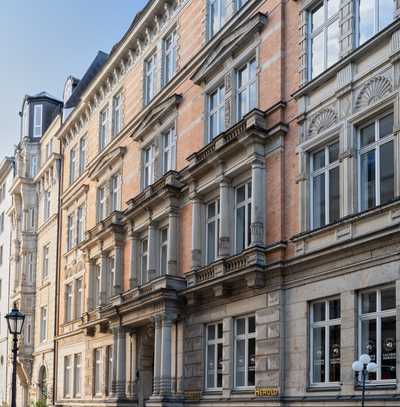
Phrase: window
{"type": "Point", "coordinates": [216, 112]}
{"type": "Point", "coordinates": [241, 3]}
{"type": "Point", "coordinates": [2, 222]}
{"type": "Point", "coordinates": [49, 149]}
{"type": "Point", "coordinates": [101, 203]}
{"type": "Point", "coordinates": [169, 150]}
{"type": "Point", "coordinates": [77, 374]}
{"type": "Point", "coordinates": [373, 16]}
{"type": "Point", "coordinates": [78, 297]}
{"type": "Point", "coordinates": [163, 251]}
{"type": "Point", "coordinates": [377, 327]}
{"type": "Point", "coordinates": [243, 216]}
{"type": "Point", "coordinates": [148, 166]}
{"type": "Point", "coordinates": [31, 218]}
{"type": "Point", "coordinates": [109, 369]}
{"type": "Point", "coordinates": [376, 163]}
{"type": "Point", "coordinates": [246, 88]}
{"type": "Point", "coordinates": [68, 302]}
{"type": "Point", "coordinates": [45, 273]}
{"type": "Point", "coordinates": [37, 121]}
{"type": "Point", "coordinates": [103, 128]}
{"type": "Point", "coordinates": [80, 227]}
{"type": "Point", "coordinates": [97, 371]}
{"type": "Point", "coordinates": [25, 121]}
{"type": "Point", "coordinates": [115, 193]}
{"type": "Point", "coordinates": [111, 277]}
{"type": "Point", "coordinates": [325, 192]}
{"type": "Point", "coordinates": [82, 155]}
{"type": "Point", "coordinates": [169, 63]}
{"type": "Point", "coordinates": [212, 232]}
{"type": "Point", "coordinates": [28, 330]}
{"type": "Point", "coordinates": [1, 255]}
{"type": "Point", "coordinates": [46, 205]}
{"type": "Point", "coordinates": [325, 341]}
{"type": "Point", "coordinates": [149, 78]}
{"type": "Point", "coordinates": [216, 16]}
{"type": "Point", "coordinates": [245, 351]}
{"type": "Point", "coordinates": [117, 114]}
{"type": "Point", "coordinates": [67, 376]}
{"type": "Point", "coordinates": [143, 259]}
{"type": "Point", "coordinates": [323, 31]}
{"type": "Point", "coordinates": [72, 165]}
{"type": "Point", "coordinates": [43, 323]}
{"type": "Point", "coordinates": [30, 267]}
{"type": "Point", "coordinates": [214, 356]}
{"type": "Point", "coordinates": [97, 280]}
{"type": "Point", "coordinates": [34, 165]}
{"type": "Point", "coordinates": [70, 231]}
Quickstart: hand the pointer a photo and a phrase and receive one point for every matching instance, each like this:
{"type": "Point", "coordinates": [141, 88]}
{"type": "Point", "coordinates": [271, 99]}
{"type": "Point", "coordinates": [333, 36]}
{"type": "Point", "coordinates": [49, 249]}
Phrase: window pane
{"type": "Point", "coordinates": [333, 7]}
{"type": "Point", "coordinates": [386, 12]}
{"type": "Point", "coordinates": [211, 242]}
{"type": "Point", "coordinates": [319, 311]}
{"type": "Point", "coordinates": [211, 332]}
{"type": "Point", "coordinates": [387, 172]}
{"type": "Point", "coordinates": [368, 341]}
{"type": "Point", "coordinates": [318, 355]}
{"type": "Point", "coordinates": [386, 126]}
{"type": "Point", "coordinates": [333, 152]}
{"type": "Point", "coordinates": [240, 326]}
{"type": "Point", "coordinates": [334, 195]}
{"type": "Point", "coordinates": [334, 353]}
{"type": "Point", "coordinates": [388, 349]}
{"type": "Point", "coordinates": [388, 298]}
{"type": "Point", "coordinates": [318, 57]}
{"type": "Point", "coordinates": [317, 16]}
{"type": "Point", "coordinates": [333, 43]}
{"type": "Point", "coordinates": [251, 362]}
{"type": "Point", "coordinates": [319, 160]}
{"type": "Point", "coordinates": [240, 228]}
{"type": "Point", "coordinates": [220, 331]}
{"type": "Point", "coordinates": [240, 363]}
{"type": "Point", "coordinates": [368, 194]}
{"type": "Point", "coordinates": [366, 21]}
{"type": "Point", "coordinates": [368, 302]}
{"type": "Point", "coordinates": [367, 135]}
{"type": "Point", "coordinates": [252, 324]}
{"type": "Point", "coordinates": [210, 365]}
{"type": "Point", "coordinates": [319, 201]}
{"type": "Point", "coordinates": [334, 309]}
{"type": "Point", "coordinates": [219, 365]}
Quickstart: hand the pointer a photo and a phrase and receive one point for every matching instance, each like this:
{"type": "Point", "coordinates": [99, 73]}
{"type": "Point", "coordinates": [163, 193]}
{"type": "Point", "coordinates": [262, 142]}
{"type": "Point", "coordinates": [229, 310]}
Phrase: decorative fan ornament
{"type": "Point", "coordinates": [374, 90]}
{"type": "Point", "coordinates": [322, 121]}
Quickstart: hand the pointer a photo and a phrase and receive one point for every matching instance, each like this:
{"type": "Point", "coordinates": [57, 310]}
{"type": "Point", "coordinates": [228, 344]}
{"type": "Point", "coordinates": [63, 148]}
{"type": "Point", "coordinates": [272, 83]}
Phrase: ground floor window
{"type": "Point", "coordinates": [214, 355]}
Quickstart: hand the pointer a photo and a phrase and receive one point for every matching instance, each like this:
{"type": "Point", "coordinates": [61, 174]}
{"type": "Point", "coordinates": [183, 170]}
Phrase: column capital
{"type": "Point", "coordinates": [257, 161]}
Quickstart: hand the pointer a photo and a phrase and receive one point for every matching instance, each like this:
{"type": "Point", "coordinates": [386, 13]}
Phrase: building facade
{"type": "Point", "coordinates": [6, 179]}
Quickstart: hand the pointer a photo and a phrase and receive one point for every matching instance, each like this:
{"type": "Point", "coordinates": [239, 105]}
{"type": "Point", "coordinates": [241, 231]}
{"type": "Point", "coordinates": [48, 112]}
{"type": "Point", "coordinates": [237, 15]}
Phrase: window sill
{"type": "Point", "coordinates": [377, 386]}
{"type": "Point", "coordinates": [324, 388]}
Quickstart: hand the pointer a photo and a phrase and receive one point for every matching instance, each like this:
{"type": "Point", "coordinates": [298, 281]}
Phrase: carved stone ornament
{"type": "Point", "coordinates": [322, 121]}
{"type": "Point", "coordinates": [372, 91]}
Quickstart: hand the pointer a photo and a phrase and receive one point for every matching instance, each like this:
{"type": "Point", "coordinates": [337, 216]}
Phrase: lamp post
{"type": "Point", "coordinates": [365, 366]}
{"type": "Point", "coordinates": [15, 321]}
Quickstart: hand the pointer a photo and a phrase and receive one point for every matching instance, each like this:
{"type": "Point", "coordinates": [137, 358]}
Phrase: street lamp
{"type": "Point", "coordinates": [15, 321]}
{"type": "Point", "coordinates": [365, 366]}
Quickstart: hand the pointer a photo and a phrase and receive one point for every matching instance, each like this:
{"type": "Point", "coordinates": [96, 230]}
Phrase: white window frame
{"type": "Point", "coordinates": [169, 57]}
{"type": "Point", "coordinates": [70, 232]}
{"type": "Point", "coordinates": [101, 203]}
{"type": "Point", "coordinates": [78, 298]}
{"type": "Point", "coordinates": [43, 323]}
{"type": "Point", "coordinates": [80, 227]}
{"type": "Point", "coordinates": [220, 17]}
{"type": "Point", "coordinates": [67, 376]}
{"type": "Point", "coordinates": [46, 205]}
{"type": "Point", "coordinates": [216, 341]}
{"type": "Point", "coordinates": [82, 154]}
{"type": "Point", "coordinates": [148, 165]}
{"type": "Point", "coordinates": [103, 128]}
{"type": "Point", "coordinates": [115, 189]}
{"type": "Point", "coordinates": [216, 219]}
{"type": "Point", "coordinates": [150, 65]}
{"type": "Point", "coordinates": [373, 146]}
{"type": "Point", "coordinates": [68, 302]}
{"type": "Point", "coordinates": [72, 165]}
{"type": "Point", "coordinates": [116, 114]}
{"type": "Point", "coordinates": [216, 112]}
{"type": "Point", "coordinates": [111, 276]}
{"type": "Point", "coordinates": [33, 165]}
{"type": "Point", "coordinates": [245, 203]}
{"type": "Point", "coordinates": [326, 324]}
{"type": "Point", "coordinates": [168, 150]}
{"type": "Point", "coordinates": [78, 375]}
{"type": "Point", "coordinates": [144, 260]}
{"type": "Point", "coordinates": [163, 250]}
{"type": "Point", "coordinates": [30, 267]}
{"type": "Point", "coordinates": [98, 369]}
{"type": "Point", "coordinates": [46, 255]}
{"type": "Point", "coordinates": [109, 354]}
{"type": "Point", "coordinates": [37, 124]}
{"type": "Point", "coordinates": [246, 88]}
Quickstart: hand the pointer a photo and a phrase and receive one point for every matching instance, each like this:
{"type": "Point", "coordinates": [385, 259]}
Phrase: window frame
{"type": "Point", "coordinates": [46, 205]}
{"type": "Point", "coordinates": [78, 311]}
{"type": "Point", "coordinates": [77, 382]}
{"type": "Point", "coordinates": [164, 250]}
{"type": "Point", "coordinates": [221, 17]}
{"type": "Point", "coordinates": [43, 323]}
{"type": "Point", "coordinates": [115, 192]}
{"type": "Point", "coordinates": [70, 231]}
{"type": "Point", "coordinates": [169, 52]}
{"type": "Point", "coordinates": [149, 70]}
{"type": "Point", "coordinates": [82, 154]}
{"type": "Point", "coordinates": [216, 111]}
{"type": "Point", "coordinates": [45, 269]}
{"type": "Point", "coordinates": [144, 260]}
{"type": "Point", "coordinates": [101, 203]}
{"type": "Point", "coordinates": [37, 128]}
{"type": "Point", "coordinates": [97, 370]}
{"type": "Point", "coordinates": [169, 148]}
{"type": "Point", "coordinates": [148, 165]}
{"type": "Point", "coordinates": [216, 219]}
{"type": "Point", "coordinates": [116, 114]}
{"type": "Point", "coordinates": [245, 204]}
{"type": "Point", "coordinates": [246, 87]}
{"type": "Point", "coordinates": [80, 227]}
{"type": "Point", "coordinates": [68, 302]}
{"type": "Point", "coordinates": [103, 128]}
{"type": "Point", "coordinates": [216, 341]}
{"type": "Point", "coordinates": [67, 376]}
{"type": "Point", "coordinates": [72, 165]}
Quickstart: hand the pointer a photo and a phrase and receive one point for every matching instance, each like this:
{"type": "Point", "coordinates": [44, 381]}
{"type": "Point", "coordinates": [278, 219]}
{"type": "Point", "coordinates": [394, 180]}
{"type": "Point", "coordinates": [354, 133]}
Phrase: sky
{"type": "Point", "coordinates": [42, 42]}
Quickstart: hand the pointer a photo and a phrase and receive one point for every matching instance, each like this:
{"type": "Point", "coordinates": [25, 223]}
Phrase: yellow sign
{"type": "Point", "coordinates": [193, 395]}
{"type": "Point", "coordinates": [267, 392]}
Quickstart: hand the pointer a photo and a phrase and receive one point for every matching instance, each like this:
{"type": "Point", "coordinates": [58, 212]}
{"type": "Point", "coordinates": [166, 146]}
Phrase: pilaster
{"type": "Point", "coordinates": [152, 253]}
{"type": "Point", "coordinates": [196, 233]}
{"type": "Point", "coordinates": [258, 201]}
{"type": "Point", "coordinates": [224, 244]}
{"type": "Point", "coordinates": [173, 239]}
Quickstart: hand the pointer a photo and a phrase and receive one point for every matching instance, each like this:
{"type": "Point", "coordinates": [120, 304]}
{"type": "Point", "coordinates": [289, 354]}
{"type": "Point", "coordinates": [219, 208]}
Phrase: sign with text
{"type": "Point", "coordinates": [267, 392]}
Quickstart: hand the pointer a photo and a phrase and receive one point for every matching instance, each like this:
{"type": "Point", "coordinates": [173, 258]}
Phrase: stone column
{"type": "Point", "coordinates": [103, 278]}
{"type": "Point", "coordinates": [166, 341]}
{"type": "Point", "coordinates": [227, 351]}
{"type": "Point", "coordinates": [196, 232]}
{"type": "Point", "coordinates": [225, 219]}
{"type": "Point", "coordinates": [134, 279]}
{"type": "Point", "coordinates": [258, 206]}
{"type": "Point", "coordinates": [157, 355]}
{"type": "Point", "coordinates": [132, 388]}
{"type": "Point", "coordinates": [91, 277]}
{"type": "Point", "coordinates": [118, 271]}
{"type": "Point", "coordinates": [173, 239]}
{"type": "Point", "coordinates": [120, 362]}
{"type": "Point", "coordinates": [152, 252]}
{"type": "Point", "coordinates": [179, 358]}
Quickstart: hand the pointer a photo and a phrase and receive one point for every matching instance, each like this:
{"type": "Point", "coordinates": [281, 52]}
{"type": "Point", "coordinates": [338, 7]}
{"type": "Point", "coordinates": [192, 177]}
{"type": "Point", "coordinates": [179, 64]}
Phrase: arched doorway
{"type": "Point", "coordinates": [42, 383]}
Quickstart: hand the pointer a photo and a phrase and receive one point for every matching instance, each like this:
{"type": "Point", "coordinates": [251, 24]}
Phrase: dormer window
{"type": "Point", "coordinates": [37, 121]}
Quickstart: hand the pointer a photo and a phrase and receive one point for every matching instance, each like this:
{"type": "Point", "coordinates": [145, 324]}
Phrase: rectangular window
{"type": "Point", "coordinates": [376, 163]}
{"type": "Point", "coordinates": [1, 255]}
{"type": "Point", "coordinates": [143, 259]}
{"type": "Point", "coordinates": [30, 267]}
{"type": "Point", "coordinates": [68, 302]}
{"type": "Point", "coordinates": [117, 114]}
{"type": "Point", "coordinates": [34, 165]}
{"type": "Point", "coordinates": [216, 13]}
{"type": "Point", "coordinates": [212, 231]}
{"type": "Point", "coordinates": [101, 203]}
{"type": "Point", "coordinates": [2, 222]}
{"type": "Point", "coordinates": [31, 218]}
{"type": "Point", "coordinates": [78, 297]}
{"type": "Point", "coordinates": [377, 327]}
{"type": "Point", "coordinates": [373, 16]}
{"type": "Point", "coordinates": [43, 324]}
{"type": "Point", "coordinates": [97, 371]}
{"type": "Point", "coordinates": [163, 251]}
{"type": "Point", "coordinates": [148, 166]}
{"type": "Point", "coordinates": [80, 226]}
{"type": "Point", "coordinates": [246, 88]}
{"type": "Point", "coordinates": [111, 277]}
{"type": "Point", "coordinates": [169, 63]}
{"type": "Point", "coordinates": [149, 78]}
{"type": "Point", "coordinates": [109, 369]}
{"type": "Point", "coordinates": [70, 231]}
{"type": "Point", "coordinates": [37, 121]}
{"type": "Point", "coordinates": [77, 374]}
{"type": "Point", "coordinates": [103, 129]}
{"type": "Point", "coordinates": [243, 216]}
{"type": "Point", "coordinates": [245, 351]}
{"type": "Point", "coordinates": [28, 330]}
{"type": "Point", "coordinates": [115, 193]}
{"type": "Point", "coordinates": [67, 376]}
{"type": "Point", "coordinates": [49, 149]}
{"type": "Point", "coordinates": [323, 33]}
{"type": "Point", "coordinates": [46, 205]}
{"type": "Point", "coordinates": [168, 150]}
{"type": "Point", "coordinates": [82, 155]}
{"type": "Point", "coordinates": [72, 165]}
{"type": "Point", "coordinates": [214, 356]}
{"type": "Point", "coordinates": [46, 252]}
{"type": "Point", "coordinates": [97, 280]}
{"type": "Point", "coordinates": [325, 341]}
{"type": "Point", "coordinates": [325, 191]}
{"type": "Point", "coordinates": [216, 112]}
